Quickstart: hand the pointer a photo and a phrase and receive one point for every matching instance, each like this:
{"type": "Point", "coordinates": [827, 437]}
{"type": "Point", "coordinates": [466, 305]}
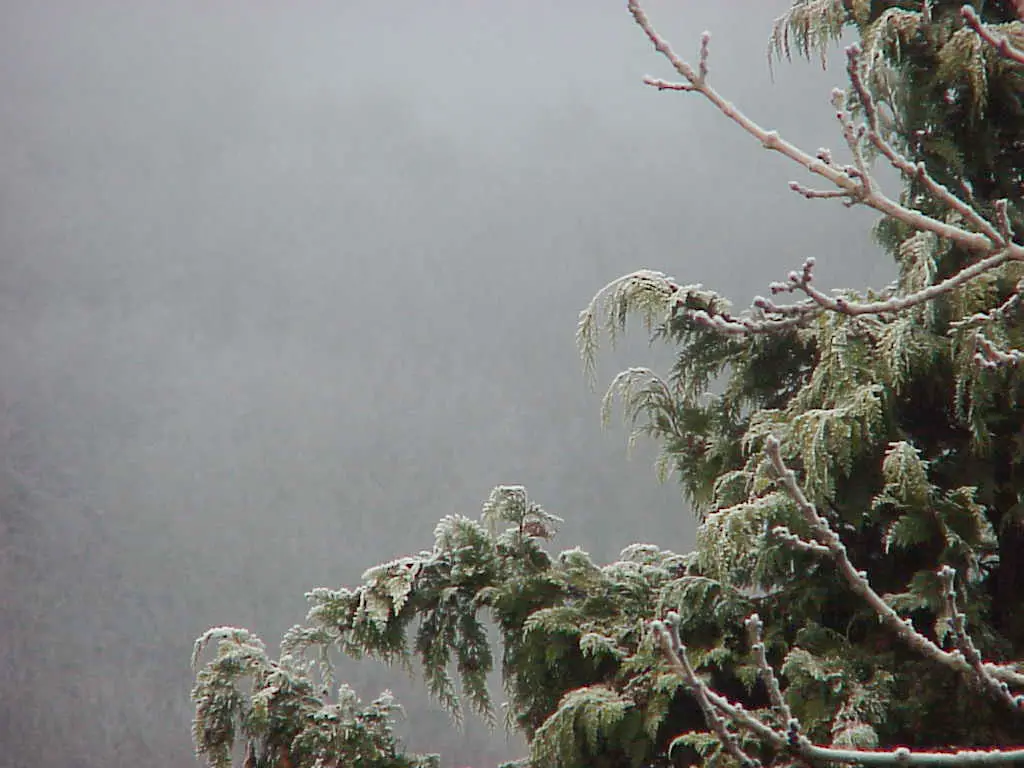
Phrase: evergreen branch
{"type": "Point", "coordinates": [858, 581]}
{"type": "Point", "coordinates": [999, 689]}
{"type": "Point", "coordinates": [645, 291]}
{"type": "Point", "coordinates": [856, 186]}
{"type": "Point", "coordinates": [999, 42]}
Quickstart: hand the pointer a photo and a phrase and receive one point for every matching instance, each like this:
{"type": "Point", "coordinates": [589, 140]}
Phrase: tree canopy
{"type": "Point", "coordinates": [854, 459]}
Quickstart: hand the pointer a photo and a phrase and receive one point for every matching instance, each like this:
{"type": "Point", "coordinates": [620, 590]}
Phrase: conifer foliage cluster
{"type": "Point", "coordinates": [855, 460]}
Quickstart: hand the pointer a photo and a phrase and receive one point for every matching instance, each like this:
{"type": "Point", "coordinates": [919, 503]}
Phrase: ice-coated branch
{"type": "Point", "coordinates": [999, 42]}
{"type": "Point", "coordinates": [858, 580]}
{"type": "Point", "coordinates": [958, 622]}
{"type": "Point", "coordinates": [853, 183]}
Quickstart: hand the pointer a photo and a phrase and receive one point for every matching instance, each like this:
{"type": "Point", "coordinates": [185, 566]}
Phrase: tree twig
{"type": "Point", "coordinates": [858, 580]}
{"type": "Point", "coordinates": [856, 187]}
{"type": "Point", "coordinates": [999, 42]}
{"type": "Point", "coordinates": [718, 708]}
{"type": "Point", "coordinates": [958, 621]}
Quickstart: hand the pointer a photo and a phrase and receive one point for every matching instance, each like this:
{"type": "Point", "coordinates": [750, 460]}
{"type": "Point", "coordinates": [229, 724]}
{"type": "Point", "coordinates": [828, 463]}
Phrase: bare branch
{"type": "Point", "coordinates": [857, 187]}
{"type": "Point", "coordinates": [755, 631]}
{"type": "Point", "coordinates": [858, 581]}
{"type": "Point", "coordinates": [801, 281]}
{"type": "Point", "coordinates": [666, 85]}
{"type": "Point", "coordinates": [815, 194]}
{"type": "Point", "coordinates": [998, 689]}
{"type": "Point", "coordinates": [667, 635]}
{"type": "Point", "coordinates": [999, 42]}
{"type": "Point", "coordinates": [717, 709]}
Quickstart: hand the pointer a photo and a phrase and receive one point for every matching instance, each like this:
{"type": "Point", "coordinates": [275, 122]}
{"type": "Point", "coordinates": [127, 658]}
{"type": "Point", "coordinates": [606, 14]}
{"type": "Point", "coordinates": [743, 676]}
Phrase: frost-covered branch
{"type": "Point", "coordinates": [802, 281]}
{"type": "Point", "coordinates": [855, 184]}
{"type": "Point", "coordinates": [755, 632]}
{"type": "Point", "coordinates": [958, 621]}
{"type": "Point", "coordinates": [719, 712]}
{"type": "Point", "coordinates": [991, 240]}
{"type": "Point", "coordinates": [911, 171]}
{"type": "Point", "coordinates": [999, 42]}
{"type": "Point", "coordinates": [990, 356]}
{"type": "Point", "coordinates": [667, 636]}
{"type": "Point", "coordinates": [858, 582]}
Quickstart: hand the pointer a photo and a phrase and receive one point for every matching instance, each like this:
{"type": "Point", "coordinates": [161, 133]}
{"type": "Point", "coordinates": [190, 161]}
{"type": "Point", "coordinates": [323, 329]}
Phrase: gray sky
{"type": "Point", "coordinates": [284, 283]}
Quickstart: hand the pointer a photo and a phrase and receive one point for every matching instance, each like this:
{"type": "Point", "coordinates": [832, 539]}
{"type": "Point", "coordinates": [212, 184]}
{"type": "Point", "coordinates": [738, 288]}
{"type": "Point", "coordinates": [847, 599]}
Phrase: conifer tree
{"type": "Point", "coordinates": [855, 460]}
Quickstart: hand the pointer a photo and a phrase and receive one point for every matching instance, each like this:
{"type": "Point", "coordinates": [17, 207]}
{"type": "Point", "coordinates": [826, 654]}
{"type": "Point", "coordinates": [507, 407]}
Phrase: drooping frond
{"type": "Point", "coordinates": [586, 721]}
{"type": "Point", "coordinates": [811, 26]}
{"type": "Point", "coordinates": [647, 293]}
{"type": "Point", "coordinates": [963, 59]}
{"type": "Point", "coordinates": [282, 716]}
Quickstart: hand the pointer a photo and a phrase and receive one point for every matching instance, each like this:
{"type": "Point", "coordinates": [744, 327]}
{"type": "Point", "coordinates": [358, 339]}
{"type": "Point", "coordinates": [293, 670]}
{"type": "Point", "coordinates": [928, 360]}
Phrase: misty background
{"type": "Point", "coordinates": [282, 284]}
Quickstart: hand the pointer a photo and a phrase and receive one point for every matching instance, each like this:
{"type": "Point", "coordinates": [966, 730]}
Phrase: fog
{"type": "Point", "coordinates": [281, 284]}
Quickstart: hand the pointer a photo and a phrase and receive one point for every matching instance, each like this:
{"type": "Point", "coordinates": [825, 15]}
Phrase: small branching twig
{"type": "Point", "coordinates": [958, 621]}
{"type": "Point", "coordinates": [858, 580]}
{"type": "Point", "coordinates": [992, 241]}
{"type": "Point", "coordinates": [666, 633]}
{"type": "Point", "coordinates": [990, 356]}
{"type": "Point", "coordinates": [719, 712]}
{"type": "Point", "coordinates": [1001, 312]}
{"type": "Point", "coordinates": [987, 354]}
{"type": "Point", "coordinates": [853, 183]}
{"type": "Point", "coordinates": [999, 42]}
{"type": "Point", "coordinates": [790, 539]}
{"type": "Point", "coordinates": [802, 281]}
{"type": "Point", "coordinates": [755, 630]}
